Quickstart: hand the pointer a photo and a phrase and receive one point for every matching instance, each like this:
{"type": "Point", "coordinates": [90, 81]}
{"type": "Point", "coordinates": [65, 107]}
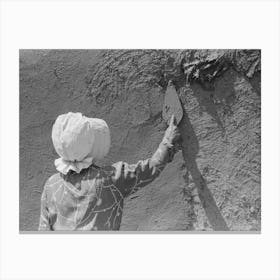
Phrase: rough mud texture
{"type": "Point", "coordinates": [217, 188]}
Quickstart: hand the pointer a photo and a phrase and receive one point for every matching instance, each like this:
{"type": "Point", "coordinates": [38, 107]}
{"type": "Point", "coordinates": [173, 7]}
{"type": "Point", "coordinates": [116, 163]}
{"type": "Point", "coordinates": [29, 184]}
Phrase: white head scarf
{"type": "Point", "coordinates": [79, 141]}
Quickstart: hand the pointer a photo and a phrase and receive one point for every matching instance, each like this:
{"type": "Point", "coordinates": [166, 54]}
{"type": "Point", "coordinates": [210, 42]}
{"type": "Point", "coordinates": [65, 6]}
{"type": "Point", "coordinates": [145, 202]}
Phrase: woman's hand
{"type": "Point", "coordinates": [172, 134]}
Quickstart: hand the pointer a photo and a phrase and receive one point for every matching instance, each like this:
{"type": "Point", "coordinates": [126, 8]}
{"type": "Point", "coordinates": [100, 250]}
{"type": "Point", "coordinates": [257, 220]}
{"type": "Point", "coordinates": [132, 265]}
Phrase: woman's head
{"type": "Point", "coordinates": [79, 141]}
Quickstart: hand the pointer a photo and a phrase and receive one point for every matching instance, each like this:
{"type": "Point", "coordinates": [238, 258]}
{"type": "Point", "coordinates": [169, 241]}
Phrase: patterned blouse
{"type": "Point", "coordinates": [93, 199]}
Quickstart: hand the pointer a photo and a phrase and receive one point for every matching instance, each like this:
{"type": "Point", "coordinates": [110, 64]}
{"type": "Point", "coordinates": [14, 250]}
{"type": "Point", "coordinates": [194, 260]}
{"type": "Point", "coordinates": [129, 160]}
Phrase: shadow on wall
{"type": "Point", "coordinates": [190, 149]}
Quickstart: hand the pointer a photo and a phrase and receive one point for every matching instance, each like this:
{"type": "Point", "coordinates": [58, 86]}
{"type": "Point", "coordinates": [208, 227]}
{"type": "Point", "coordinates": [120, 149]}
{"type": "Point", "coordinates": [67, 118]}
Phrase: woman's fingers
{"type": "Point", "coordinates": [173, 120]}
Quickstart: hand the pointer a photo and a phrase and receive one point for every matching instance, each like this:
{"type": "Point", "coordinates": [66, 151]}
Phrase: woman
{"type": "Point", "coordinates": [83, 196]}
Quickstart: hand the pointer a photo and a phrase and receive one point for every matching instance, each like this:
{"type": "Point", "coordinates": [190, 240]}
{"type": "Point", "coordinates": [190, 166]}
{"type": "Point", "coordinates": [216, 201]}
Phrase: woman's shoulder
{"type": "Point", "coordinates": [53, 181]}
{"type": "Point", "coordinates": [106, 170]}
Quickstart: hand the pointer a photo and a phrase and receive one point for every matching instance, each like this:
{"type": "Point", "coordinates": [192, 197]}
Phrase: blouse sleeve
{"type": "Point", "coordinates": [129, 178]}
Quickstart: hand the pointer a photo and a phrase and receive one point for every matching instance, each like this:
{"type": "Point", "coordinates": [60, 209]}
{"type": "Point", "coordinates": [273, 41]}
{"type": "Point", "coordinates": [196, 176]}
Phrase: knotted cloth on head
{"type": "Point", "coordinates": [79, 141]}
